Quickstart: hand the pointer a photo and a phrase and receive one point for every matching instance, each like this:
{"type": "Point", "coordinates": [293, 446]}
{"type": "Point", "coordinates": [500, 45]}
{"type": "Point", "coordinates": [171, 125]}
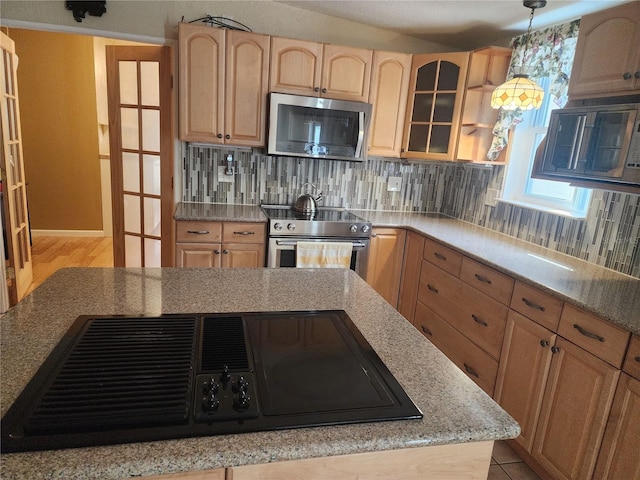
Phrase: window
{"type": "Point", "coordinates": [519, 188]}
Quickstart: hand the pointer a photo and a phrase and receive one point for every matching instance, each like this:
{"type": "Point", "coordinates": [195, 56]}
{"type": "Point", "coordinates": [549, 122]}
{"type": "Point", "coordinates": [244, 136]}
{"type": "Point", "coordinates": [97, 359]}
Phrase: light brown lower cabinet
{"type": "Point", "coordinates": [384, 267]}
{"type": "Point", "coordinates": [411, 264]}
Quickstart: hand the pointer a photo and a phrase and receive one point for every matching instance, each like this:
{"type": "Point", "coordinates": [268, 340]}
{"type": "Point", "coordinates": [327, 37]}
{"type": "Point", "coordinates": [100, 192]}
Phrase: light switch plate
{"type": "Point", "coordinates": [223, 177]}
{"type": "Point", "coordinates": [394, 184]}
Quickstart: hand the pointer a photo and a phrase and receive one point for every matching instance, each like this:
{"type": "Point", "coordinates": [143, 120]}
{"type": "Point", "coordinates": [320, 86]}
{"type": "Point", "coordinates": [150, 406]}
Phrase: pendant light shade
{"type": "Point", "coordinates": [519, 92]}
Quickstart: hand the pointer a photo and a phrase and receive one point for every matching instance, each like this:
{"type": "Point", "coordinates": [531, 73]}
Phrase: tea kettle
{"type": "Point", "coordinates": [307, 203]}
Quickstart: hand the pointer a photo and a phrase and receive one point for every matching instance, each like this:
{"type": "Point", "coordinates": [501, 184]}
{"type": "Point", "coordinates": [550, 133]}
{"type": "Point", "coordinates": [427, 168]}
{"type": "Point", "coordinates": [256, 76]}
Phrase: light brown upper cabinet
{"type": "Point", "coordinates": [223, 85]}
{"type": "Point", "coordinates": [487, 69]}
{"type": "Point", "coordinates": [300, 67]}
{"type": "Point", "coordinates": [434, 106]}
{"type": "Point", "coordinates": [389, 88]}
{"type": "Point", "coordinates": [607, 60]}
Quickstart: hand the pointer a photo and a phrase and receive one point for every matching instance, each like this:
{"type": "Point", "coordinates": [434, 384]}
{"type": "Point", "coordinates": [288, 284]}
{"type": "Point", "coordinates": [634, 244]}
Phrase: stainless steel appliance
{"type": "Point", "coordinates": [598, 142]}
{"type": "Point", "coordinates": [318, 127]}
{"type": "Point", "coordinates": [287, 227]}
{"type": "Point", "coordinates": [122, 379]}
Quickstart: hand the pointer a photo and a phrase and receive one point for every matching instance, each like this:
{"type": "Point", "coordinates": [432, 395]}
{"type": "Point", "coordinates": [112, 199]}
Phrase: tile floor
{"type": "Point", "coordinates": [507, 465]}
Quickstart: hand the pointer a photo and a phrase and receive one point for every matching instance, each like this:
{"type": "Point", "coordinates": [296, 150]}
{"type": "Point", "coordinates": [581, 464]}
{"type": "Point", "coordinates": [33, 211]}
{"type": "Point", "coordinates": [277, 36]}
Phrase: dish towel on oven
{"type": "Point", "coordinates": [323, 254]}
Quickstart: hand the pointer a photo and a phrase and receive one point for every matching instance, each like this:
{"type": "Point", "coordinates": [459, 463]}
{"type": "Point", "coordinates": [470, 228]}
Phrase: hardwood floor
{"type": "Point", "coordinates": [52, 253]}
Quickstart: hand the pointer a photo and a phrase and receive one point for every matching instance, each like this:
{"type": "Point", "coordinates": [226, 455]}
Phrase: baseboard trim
{"type": "Point", "coordinates": [67, 233]}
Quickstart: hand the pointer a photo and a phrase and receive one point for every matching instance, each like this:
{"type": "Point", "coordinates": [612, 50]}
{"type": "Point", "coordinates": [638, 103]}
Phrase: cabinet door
{"type": "Point", "coordinates": [619, 456]}
{"type": "Point", "coordinates": [247, 77]}
{"type": "Point", "coordinates": [434, 107]}
{"type": "Point", "coordinates": [575, 409]}
{"type": "Point", "coordinates": [385, 262]}
{"type": "Point", "coordinates": [346, 73]}
{"type": "Point", "coordinates": [296, 66]}
{"type": "Point", "coordinates": [522, 374]}
{"type": "Point", "coordinates": [389, 89]}
{"type": "Point", "coordinates": [242, 255]}
{"type": "Point", "coordinates": [201, 83]}
{"type": "Point", "coordinates": [198, 255]}
{"type": "Point", "coordinates": [411, 264]}
{"type": "Point", "coordinates": [607, 59]}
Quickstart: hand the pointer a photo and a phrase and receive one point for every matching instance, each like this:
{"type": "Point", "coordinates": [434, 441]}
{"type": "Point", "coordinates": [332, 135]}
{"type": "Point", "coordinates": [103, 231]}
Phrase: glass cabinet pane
{"type": "Point", "coordinates": [439, 139]}
{"type": "Point", "coordinates": [448, 77]}
{"type": "Point", "coordinates": [443, 111]}
{"type": "Point", "coordinates": [426, 78]}
{"type": "Point", "coordinates": [422, 104]}
{"type": "Point", "coordinates": [418, 138]}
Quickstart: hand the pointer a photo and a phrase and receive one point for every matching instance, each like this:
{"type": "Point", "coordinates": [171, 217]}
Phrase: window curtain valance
{"type": "Point", "coordinates": [549, 53]}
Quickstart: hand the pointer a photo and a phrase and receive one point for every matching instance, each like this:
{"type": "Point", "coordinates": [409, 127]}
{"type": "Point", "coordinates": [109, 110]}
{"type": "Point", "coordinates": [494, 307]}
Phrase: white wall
{"type": "Point", "coordinates": [158, 20]}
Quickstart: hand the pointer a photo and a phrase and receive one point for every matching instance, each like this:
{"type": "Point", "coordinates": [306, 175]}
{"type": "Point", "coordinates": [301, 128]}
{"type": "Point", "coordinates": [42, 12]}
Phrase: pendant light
{"type": "Point", "coordinates": [520, 92]}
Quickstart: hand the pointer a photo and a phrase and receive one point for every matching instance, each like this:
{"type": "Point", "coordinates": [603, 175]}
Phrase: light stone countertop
{"type": "Point", "coordinates": [606, 293]}
{"type": "Point", "coordinates": [455, 409]}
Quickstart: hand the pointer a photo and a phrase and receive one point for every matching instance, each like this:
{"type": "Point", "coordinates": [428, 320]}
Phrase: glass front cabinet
{"type": "Point", "coordinates": [435, 105]}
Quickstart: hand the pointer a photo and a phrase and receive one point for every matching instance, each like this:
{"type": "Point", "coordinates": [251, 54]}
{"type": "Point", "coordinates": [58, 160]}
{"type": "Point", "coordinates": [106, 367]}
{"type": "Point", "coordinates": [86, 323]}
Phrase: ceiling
{"type": "Point", "coordinates": [460, 24]}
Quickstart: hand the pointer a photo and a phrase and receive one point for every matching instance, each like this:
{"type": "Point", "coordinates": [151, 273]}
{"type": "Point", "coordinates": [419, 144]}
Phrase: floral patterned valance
{"type": "Point", "coordinates": [548, 53]}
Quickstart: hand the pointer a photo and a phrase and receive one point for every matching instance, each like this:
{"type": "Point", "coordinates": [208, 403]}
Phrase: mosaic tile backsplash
{"type": "Point", "coordinates": [610, 236]}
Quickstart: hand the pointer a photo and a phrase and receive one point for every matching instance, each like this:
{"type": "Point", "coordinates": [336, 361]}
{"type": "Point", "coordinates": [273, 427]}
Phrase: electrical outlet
{"type": "Point", "coordinates": [491, 199]}
{"type": "Point", "coordinates": [394, 184]}
{"type": "Point", "coordinates": [222, 175]}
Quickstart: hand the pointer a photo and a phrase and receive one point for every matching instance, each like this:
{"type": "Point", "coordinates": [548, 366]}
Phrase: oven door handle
{"type": "Point", "coordinates": [293, 243]}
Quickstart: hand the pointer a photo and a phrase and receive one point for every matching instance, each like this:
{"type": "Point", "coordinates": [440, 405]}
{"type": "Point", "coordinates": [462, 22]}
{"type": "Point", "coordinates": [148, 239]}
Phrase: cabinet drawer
{"type": "Point", "coordinates": [447, 259]}
{"type": "Point", "coordinates": [243, 232]}
{"type": "Point", "coordinates": [478, 366]}
{"type": "Point", "coordinates": [477, 316]}
{"type": "Point", "coordinates": [495, 284]}
{"type": "Point", "coordinates": [536, 305]}
{"type": "Point", "coordinates": [632, 360]}
{"type": "Point", "coordinates": [200, 232]}
{"type": "Point", "coordinates": [599, 337]}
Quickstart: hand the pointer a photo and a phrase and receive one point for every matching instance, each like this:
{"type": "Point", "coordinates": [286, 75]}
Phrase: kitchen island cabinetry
{"type": "Point", "coordinates": [389, 89]}
{"type": "Point", "coordinates": [385, 262]}
{"type": "Point", "coordinates": [220, 244]}
{"type": "Point", "coordinates": [307, 68]}
{"type": "Point", "coordinates": [607, 59]}
{"type": "Point", "coordinates": [223, 85]}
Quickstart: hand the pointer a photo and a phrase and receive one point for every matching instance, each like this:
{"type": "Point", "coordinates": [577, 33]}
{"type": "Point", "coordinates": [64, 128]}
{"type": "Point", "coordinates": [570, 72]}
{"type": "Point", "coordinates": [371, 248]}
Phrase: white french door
{"type": "Point", "coordinates": [14, 186]}
{"type": "Point", "coordinates": [141, 142]}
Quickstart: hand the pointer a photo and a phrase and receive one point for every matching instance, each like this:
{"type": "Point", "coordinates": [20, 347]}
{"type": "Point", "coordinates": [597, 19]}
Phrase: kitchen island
{"type": "Point", "coordinates": [456, 411]}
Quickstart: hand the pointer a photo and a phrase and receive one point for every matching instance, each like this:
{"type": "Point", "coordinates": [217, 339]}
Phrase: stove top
{"type": "Point", "coordinates": [324, 222]}
{"type": "Point", "coordinates": [120, 379]}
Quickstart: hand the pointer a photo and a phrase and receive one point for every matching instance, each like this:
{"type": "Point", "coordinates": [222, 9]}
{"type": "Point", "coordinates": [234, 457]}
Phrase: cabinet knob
{"type": "Point", "coordinates": [324, 90]}
{"type": "Point", "coordinates": [227, 137]}
{"type": "Point", "coordinates": [225, 252]}
{"type": "Point", "coordinates": [555, 349]}
{"type": "Point", "coordinates": [316, 89]}
{"type": "Point", "coordinates": [219, 135]}
{"type": "Point", "coordinates": [544, 343]}
{"type": "Point", "coordinates": [637, 74]}
{"type": "Point", "coordinates": [217, 252]}
{"type": "Point", "coordinates": [626, 75]}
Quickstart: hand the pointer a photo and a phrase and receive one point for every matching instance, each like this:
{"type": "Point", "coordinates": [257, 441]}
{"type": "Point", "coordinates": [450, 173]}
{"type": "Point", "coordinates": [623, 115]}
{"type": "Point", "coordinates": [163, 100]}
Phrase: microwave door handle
{"type": "Point", "coordinates": [582, 149]}
{"type": "Point", "coordinates": [577, 142]}
{"type": "Point", "coordinates": [360, 134]}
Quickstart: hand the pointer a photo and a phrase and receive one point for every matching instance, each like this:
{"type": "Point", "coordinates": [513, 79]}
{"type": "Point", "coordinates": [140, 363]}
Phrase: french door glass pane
{"type": "Point", "coordinates": [129, 128]}
{"type": "Point", "coordinates": [132, 251]}
{"type": "Point", "coordinates": [150, 80]}
{"type": "Point", "coordinates": [152, 216]}
{"type": "Point", "coordinates": [151, 130]}
{"type": "Point", "coordinates": [130, 172]}
{"type": "Point", "coordinates": [128, 83]}
{"type": "Point", "coordinates": [151, 174]}
{"type": "Point", "coordinates": [132, 213]}
{"type": "Point", "coordinates": [152, 252]}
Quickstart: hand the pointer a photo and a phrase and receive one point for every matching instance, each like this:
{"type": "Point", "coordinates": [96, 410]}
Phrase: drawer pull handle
{"type": "Point", "coordinates": [244, 233]}
{"type": "Point", "coordinates": [439, 256]}
{"type": "Point", "coordinates": [478, 320]}
{"type": "Point", "coordinates": [544, 343]}
{"type": "Point", "coordinates": [471, 371]}
{"type": "Point", "coordinates": [531, 304]}
{"type": "Point", "coordinates": [482, 279]}
{"type": "Point", "coordinates": [587, 333]}
{"type": "Point", "coordinates": [432, 288]}
{"type": "Point", "coordinates": [426, 330]}
{"type": "Point", "coordinates": [199, 232]}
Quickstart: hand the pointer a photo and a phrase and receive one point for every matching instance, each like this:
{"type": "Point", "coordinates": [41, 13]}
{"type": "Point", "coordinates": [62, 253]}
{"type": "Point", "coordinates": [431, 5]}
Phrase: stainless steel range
{"type": "Point", "coordinates": [287, 227]}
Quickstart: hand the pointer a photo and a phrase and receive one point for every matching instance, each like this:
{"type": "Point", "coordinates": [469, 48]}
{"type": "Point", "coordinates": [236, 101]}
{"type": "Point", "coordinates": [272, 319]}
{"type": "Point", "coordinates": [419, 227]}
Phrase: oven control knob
{"type": "Point", "coordinates": [242, 402]}
{"type": "Point", "coordinates": [365, 228]}
{"type": "Point", "coordinates": [291, 226]}
{"type": "Point", "coordinates": [353, 228]}
{"type": "Point", "coordinates": [240, 385]}
{"type": "Point", "coordinates": [211, 402]}
{"type": "Point", "coordinates": [277, 226]}
{"type": "Point", "coordinates": [224, 376]}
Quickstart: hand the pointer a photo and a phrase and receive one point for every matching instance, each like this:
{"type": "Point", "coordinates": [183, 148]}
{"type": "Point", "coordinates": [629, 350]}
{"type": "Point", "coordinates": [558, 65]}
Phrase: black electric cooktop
{"type": "Point", "coordinates": [120, 379]}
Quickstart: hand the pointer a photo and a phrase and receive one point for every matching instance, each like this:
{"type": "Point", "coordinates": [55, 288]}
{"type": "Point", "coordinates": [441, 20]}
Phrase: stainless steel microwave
{"type": "Point", "coordinates": [599, 143]}
{"type": "Point", "coordinates": [318, 127]}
